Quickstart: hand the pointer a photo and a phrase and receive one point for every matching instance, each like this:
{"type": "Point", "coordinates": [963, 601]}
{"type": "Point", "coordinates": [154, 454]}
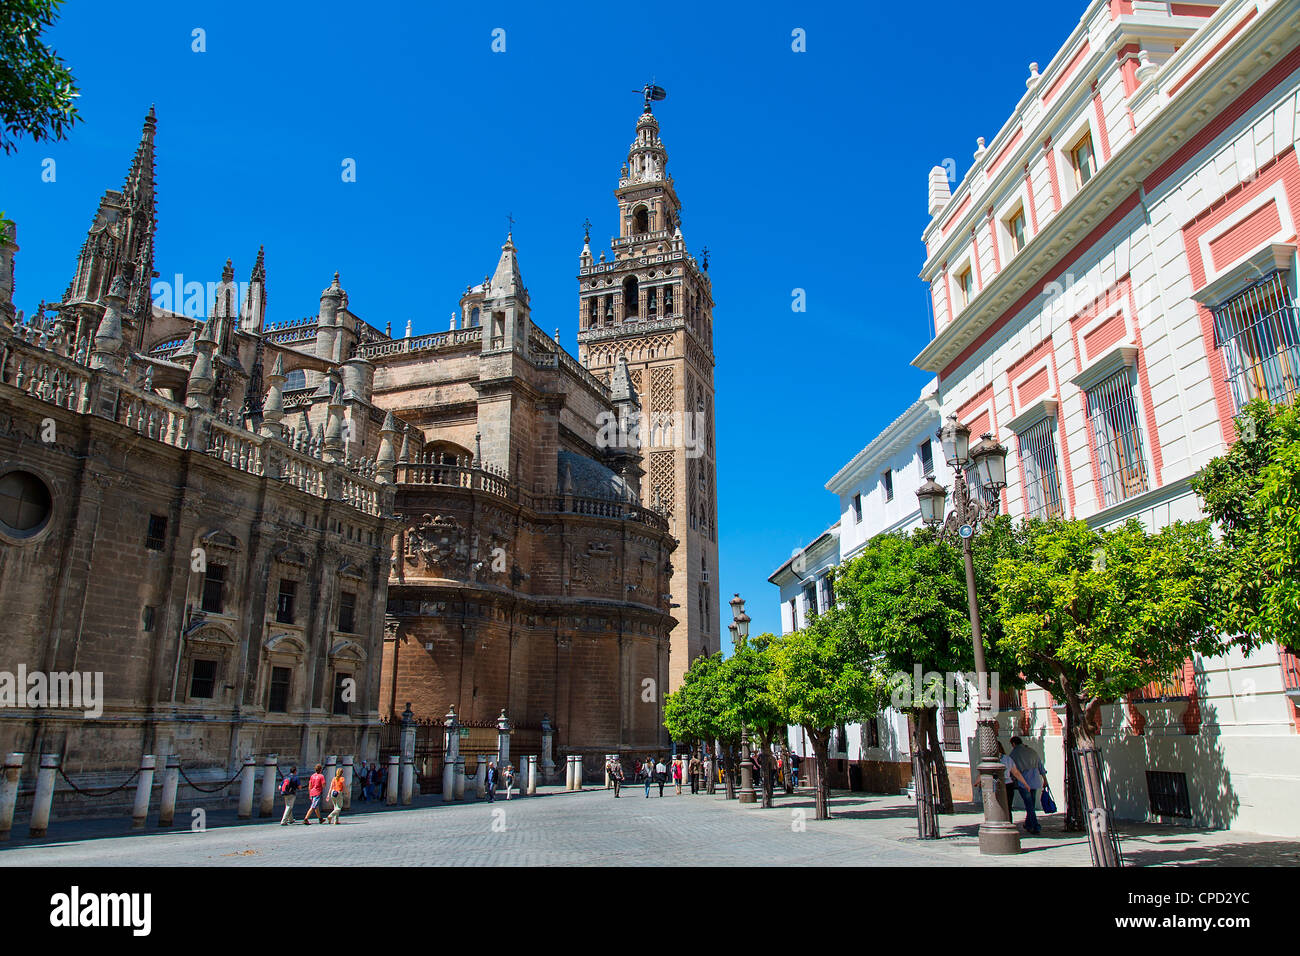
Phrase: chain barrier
{"type": "Point", "coordinates": [103, 793]}
{"type": "Point", "coordinates": [216, 789]}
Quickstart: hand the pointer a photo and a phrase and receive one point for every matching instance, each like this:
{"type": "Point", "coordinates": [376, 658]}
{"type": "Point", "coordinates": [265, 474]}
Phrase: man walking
{"type": "Point", "coordinates": [661, 774]}
{"type": "Point", "coordinates": [616, 776]}
{"type": "Point", "coordinates": [491, 781]}
{"type": "Point", "coordinates": [1031, 768]}
{"type": "Point", "coordinates": [315, 790]}
{"type": "Point", "coordinates": [693, 769]}
{"type": "Point", "coordinates": [361, 774]}
{"type": "Point", "coordinates": [289, 788]}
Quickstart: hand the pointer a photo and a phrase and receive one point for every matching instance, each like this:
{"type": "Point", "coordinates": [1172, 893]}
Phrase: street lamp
{"type": "Point", "coordinates": [739, 628]}
{"type": "Point", "coordinates": [986, 463]}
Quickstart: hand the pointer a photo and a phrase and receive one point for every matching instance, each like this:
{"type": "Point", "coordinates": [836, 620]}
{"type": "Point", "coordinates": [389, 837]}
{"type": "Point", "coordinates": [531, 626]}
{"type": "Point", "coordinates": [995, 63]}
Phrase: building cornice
{"type": "Point", "coordinates": [1116, 183]}
{"type": "Point", "coordinates": [912, 424]}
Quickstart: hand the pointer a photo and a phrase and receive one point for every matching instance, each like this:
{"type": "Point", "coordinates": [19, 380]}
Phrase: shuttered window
{"type": "Point", "coordinates": [1259, 334]}
{"type": "Point", "coordinates": [1117, 438]}
{"type": "Point", "coordinates": [1038, 463]}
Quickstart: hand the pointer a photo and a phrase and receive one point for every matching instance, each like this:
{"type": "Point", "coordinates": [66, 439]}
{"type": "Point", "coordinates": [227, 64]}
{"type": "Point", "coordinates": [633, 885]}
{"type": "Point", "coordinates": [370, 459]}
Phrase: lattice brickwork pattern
{"type": "Point", "coordinates": [661, 479]}
{"type": "Point", "coordinates": [661, 387]}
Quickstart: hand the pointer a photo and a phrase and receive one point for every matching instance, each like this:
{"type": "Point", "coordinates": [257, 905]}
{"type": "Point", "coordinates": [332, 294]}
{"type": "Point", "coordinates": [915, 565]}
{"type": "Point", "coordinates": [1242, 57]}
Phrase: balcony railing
{"type": "Point", "coordinates": [1290, 673]}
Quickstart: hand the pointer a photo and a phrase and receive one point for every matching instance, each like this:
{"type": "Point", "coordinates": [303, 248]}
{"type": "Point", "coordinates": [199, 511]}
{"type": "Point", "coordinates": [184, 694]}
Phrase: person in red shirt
{"type": "Point", "coordinates": [315, 789]}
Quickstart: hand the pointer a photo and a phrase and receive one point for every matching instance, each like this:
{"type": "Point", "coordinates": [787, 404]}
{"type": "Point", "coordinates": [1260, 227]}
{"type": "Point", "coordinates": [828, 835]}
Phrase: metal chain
{"type": "Point", "coordinates": [103, 793]}
{"type": "Point", "coordinates": [216, 789]}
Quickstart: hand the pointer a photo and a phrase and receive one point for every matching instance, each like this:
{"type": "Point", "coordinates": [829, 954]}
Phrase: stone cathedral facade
{"type": "Point", "coordinates": [272, 536]}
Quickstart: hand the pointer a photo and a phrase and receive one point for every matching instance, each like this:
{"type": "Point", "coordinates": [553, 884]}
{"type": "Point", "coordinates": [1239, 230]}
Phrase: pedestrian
{"type": "Point", "coordinates": [337, 787]}
{"type": "Point", "coordinates": [647, 773]}
{"type": "Point", "coordinates": [315, 790]}
{"type": "Point", "coordinates": [509, 779]}
{"type": "Point", "coordinates": [289, 788]}
{"type": "Point", "coordinates": [378, 777]}
{"type": "Point", "coordinates": [1014, 779]}
{"type": "Point", "coordinates": [693, 769]}
{"type": "Point", "coordinates": [360, 774]}
{"type": "Point", "coordinates": [677, 775]}
{"type": "Point", "coordinates": [794, 771]}
{"type": "Point", "coordinates": [1030, 765]}
{"type": "Point", "coordinates": [491, 781]}
{"type": "Point", "coordinates": [661, 775]}
{"type": "Point", "coordinates": [616, 776]}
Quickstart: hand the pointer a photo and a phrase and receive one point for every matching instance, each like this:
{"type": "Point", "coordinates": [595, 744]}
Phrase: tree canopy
{"type": "Point", "coordinates": [37, 90]}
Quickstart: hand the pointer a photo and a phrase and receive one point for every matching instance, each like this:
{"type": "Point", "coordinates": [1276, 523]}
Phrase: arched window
{"type": "Point", "coordinates": [631, 298]}
{"type": "Point", "coordinates": [640, 220]}
{"type": "Point", "coordinates": [473, 319]}
{"type": "Point", "coordinates": [295, 379]}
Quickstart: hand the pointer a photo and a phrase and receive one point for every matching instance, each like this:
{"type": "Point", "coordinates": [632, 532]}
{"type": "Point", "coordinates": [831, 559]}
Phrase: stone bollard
{"type": "Point", "coordinates": [408, 780]}
{"type": "Point", "coordinates": [9, 793]}
{"type": "Point", "coordinates": [143, 791]}
{"type": "Point", "coordinates": [170, 784]}
{"type": "Point", "coordinates": [266, 804]}
{"type": "Point", "coordinates": [480, 778]}
{"type": "Point", "coordinates": [503, 740]}
{"type": "Point", "coordinates": [568, 772]}
{"type": "Point", "coordinates": [347, 778]}
{"type": "Point", "coordinates": [608, 760]}
{"type": "Point", "coordinates": [390, 795]}
{"type": "Point", "coordinates": [247, 784]}
{"type": "Point", "coordinates": [577, 771]}
{"type": "Point", "coordinates": [532, 775]}
{"type": "Point", "coordinates": [459, 773]}
{"type": "Point", "coordinates": [331, 762]}
{"type": "Point", "coordinates": [44, 797]}
{"type": "Point", "coordinates": [448, 778]}
{"type": "Point", "coordinates": [450, 753]}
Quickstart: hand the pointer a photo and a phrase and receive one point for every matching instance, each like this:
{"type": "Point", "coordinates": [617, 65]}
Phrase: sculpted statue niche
{"type": "Point", "coordinates": [437, 545]}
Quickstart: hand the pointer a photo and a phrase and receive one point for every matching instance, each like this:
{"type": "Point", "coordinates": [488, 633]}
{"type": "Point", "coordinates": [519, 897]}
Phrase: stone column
{"type": "Point", "coordinates": [390, 795]}
{"type": "Point", "coordinates": [480, 778]}
{"type": "Point", "coordinates": [458, 772]}
{"type": "Point", "coordinates": [9, 793]}
{"type": "Point", "coordinates": [331, 762]}
{"type": "Point", "coordinates": [608, 759]}
{"type": "Point", "coordinates": [503, 740]}
{"type": "Point", "coordinates": [450, 752]}
{"type": "Point", "coordinates": [247, 784]}
{"type": "Point", "coordinates": [548, 743]}
{"type": "Point", "coordinates": [171, 783]}
{"type": "Point", "coordinates": [532, 775]}
{"type": "Point", "coordinates": [266, 804]}
{"type": "Point", "coordinates": [143, 791]}
{"type": "Point", "coordinates": [347, 780]}
{"type": "Point", "coordinates": [568, 772]}
{"type": "Point", "coordinates": [44, 797]}
{"type": "Point", "coordinates": [408, 756]}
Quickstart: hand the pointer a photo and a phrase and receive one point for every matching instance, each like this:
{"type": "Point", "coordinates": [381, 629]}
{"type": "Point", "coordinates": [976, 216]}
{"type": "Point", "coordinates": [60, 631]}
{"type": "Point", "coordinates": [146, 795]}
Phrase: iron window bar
{"type": "Point", "coordinates": [1117, 438]}
{"type": "Point", "coordinates": [1038, 464]}
{"type": "Point", "coordinates": [1258, 331]}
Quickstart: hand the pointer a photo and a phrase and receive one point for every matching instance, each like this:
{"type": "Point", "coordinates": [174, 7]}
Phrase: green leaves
{"type": "Point", "coordinates": [1102, 613]}
{"type": "Point", "coordinates": [37, 90]}
{"type": "Point", "coordinates": [1252, 493]}
{"type": "Point", "coordinates": [820, 679]}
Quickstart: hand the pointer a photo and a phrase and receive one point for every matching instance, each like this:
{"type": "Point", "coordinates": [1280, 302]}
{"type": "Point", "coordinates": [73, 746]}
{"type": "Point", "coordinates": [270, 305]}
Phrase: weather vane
{"type": "Point", "coordinates": [651, 92]}
{"type": "Point", "coordinates": [586, 230]}
{"type": "Point", "coordinates": [510, 223]}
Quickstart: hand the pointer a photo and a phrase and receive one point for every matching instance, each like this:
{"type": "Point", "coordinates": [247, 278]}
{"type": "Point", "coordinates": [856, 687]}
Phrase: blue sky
{"type": "Point", "coordinates": [797, 170]}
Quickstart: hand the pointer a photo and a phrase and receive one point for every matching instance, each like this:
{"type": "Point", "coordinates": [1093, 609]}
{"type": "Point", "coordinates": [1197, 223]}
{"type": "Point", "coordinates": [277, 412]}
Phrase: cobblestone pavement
{"type": "Point", "coordinates": [557, 828]}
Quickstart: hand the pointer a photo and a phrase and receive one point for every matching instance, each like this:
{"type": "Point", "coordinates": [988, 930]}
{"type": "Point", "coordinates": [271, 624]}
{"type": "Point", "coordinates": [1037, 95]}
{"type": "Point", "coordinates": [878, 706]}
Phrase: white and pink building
{"type": "Point", "coordinates": [1113, 277]}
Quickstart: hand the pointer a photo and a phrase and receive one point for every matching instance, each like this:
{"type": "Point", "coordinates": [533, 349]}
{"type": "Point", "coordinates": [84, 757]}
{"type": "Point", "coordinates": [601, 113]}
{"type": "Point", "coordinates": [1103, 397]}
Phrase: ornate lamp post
{"type": "Point", "coordinates": [986, 463]}
{"type": "Point", "coordinates": [739, 628]}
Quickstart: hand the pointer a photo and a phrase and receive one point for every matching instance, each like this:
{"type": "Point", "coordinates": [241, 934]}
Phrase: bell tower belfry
{"type": "Point", "coordinates": [647, 301]}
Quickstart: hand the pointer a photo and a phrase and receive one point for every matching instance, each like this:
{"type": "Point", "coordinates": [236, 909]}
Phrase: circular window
{"type": "Point", "coordinates": [25, 504]}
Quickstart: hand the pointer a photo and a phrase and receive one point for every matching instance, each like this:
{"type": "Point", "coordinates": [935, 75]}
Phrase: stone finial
{"type": "Point", "coordinates": [273, 407]}
{"type": "Point", "coordinates": [980, 149]}
{"type": "Point", "coordinates": [940, 191]}
{"type": "Point", "coordinates": [405, 455]}
{"type": "Point", "coordinates": [332, 442]}
{"type": "Point", "coordinates": [198, 390]}
{"type": "Point", "coordinates": [107, 353]}
{"type": "Point", "coordinates": [387, 460]}
{"type": "Point", "coordinates": [1146, 69]}
{"type": "Point", "coordinates": [1033, 76]}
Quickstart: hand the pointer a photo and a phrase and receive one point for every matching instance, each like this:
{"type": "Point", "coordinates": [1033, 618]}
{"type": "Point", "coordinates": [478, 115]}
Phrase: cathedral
{"type": "Point", "coordinates": [281, 536]}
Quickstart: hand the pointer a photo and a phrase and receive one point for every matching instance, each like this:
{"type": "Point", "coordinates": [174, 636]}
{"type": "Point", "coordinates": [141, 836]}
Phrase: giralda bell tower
{"type": "Point", "coordinates": [648, 302]}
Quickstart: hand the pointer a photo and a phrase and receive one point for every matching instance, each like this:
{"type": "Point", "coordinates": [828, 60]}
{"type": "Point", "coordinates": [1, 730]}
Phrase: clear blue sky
{"type": "Point", "coordinates": [797, 170]}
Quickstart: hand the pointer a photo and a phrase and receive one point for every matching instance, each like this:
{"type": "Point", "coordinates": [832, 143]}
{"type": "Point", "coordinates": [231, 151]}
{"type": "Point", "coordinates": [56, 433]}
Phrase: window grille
{"type": "Point", "coordinates": [1117, 438]}
{"type": "Point", "coordinates": [927, 458]}
{"type": "Point", "coordinates": [203, 679]}
{"type": "Point", "coordinates": [951, 730]}
{"type": "Point", "coordinates": [214, 581]}
{"type": "Point", "coordinates": [278, 699]}
{"type": "Point", "coordinates": [156, 537]}
{"type": "Point", "coordinates": [1038, 463]}
{"type": "Point", "coordinates": [1168, 794]}
{"type": "Point", "coordinates": [888, 480]}
{"type": "Point", "coordinates": [857, 509]}
{"type": "Point", "coordinates": [1259, 334]}
{"type": "Point", "coordinates": [872, 727]}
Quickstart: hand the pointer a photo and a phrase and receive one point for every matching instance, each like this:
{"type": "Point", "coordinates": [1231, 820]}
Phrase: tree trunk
{"type": "Point", "coordinates": [729, 771]}
{"type": "Point", "coordinates": [1073, 795]}
{"type": "Point", "coordinates": [1101, 840]}
{"type": "Point", "coordinates": [765, 763]}
{"type": "Point", "coordinates": [931, 730]}
{"type": "Point", "coordinates": [823, 776]}
{"type": "Point", "coordinates": [927, 825]}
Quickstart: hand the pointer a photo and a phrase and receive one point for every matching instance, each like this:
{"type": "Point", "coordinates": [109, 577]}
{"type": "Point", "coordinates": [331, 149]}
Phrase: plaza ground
{"type": "Point", "coordinates": [591, 828]}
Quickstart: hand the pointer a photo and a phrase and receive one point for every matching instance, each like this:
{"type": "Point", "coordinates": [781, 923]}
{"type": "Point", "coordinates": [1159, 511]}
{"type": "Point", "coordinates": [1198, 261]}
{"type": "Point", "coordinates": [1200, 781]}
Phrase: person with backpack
{"type": "Point", "coordinates": [337, 786]}
{"type": "Point", "coordinates": [289, 789]}
{"type": "Point", "coordinates": [315, 790]}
